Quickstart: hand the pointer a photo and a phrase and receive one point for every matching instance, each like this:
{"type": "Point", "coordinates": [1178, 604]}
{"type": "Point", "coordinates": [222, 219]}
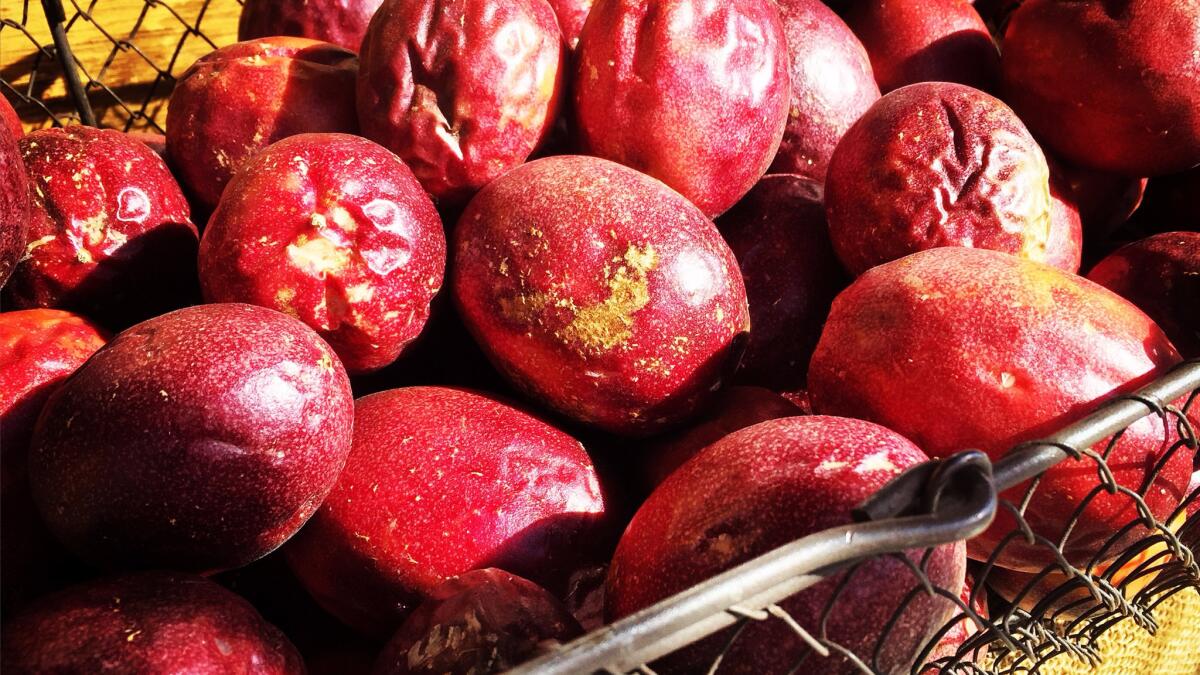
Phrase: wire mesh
{"type": "Point", "coordinates": [127, 54]}
{"type": "Point", "coordinates": [1002, 622]}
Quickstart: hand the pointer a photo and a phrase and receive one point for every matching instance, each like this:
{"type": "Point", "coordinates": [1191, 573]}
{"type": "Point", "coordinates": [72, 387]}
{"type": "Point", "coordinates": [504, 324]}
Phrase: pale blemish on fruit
{"type": "Point", "coordinates": [342, 218]}
{"type": "Point", "coordinates": [1007, 380]}
{"type": "Point", "coordinates": [115, 240]}
{"type": "Point", "coordinates": [722, 545]}
{"type": "Point", "coordinates": [360, 293]}
{"type": "Point", "coordinates": [724, 542]}
{"type": "Point", "coordinates": [830, 465]}
{"type": "Point", "coordinates": [318, 257]}
{"type": "Point", "coordinates": [879, 461]}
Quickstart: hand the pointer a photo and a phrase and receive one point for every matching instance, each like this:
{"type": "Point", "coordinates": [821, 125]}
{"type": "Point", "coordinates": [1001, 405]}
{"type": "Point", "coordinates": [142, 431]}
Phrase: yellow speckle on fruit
{"type": "Point", "coordinates": [679, 344]}
{"type": "Point", "coordinates": [283, 301]}
{"type": "Point", "coordinates": [608, 324]}
{"type": "Point", "coordinates": [325, 362]}
{"type": "Point", "coordinates": [600, 327]}
{"type": "Point", "coordinates": [92, 229]}
{"type": "Point", "coordinates": [37, 243]}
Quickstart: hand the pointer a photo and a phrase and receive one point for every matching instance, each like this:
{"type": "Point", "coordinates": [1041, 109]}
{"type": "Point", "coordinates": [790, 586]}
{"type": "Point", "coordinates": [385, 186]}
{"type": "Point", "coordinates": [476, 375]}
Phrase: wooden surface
{"type": "Point", "coordinates": [161, 43]}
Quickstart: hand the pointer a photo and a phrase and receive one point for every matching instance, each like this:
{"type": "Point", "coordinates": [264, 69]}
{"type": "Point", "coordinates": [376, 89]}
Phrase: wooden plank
{"type": "Point", "coordinates": [132, 49]}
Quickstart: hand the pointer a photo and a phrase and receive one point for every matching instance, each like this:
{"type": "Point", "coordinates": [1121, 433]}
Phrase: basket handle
{"type": "Point", "coordinates": [56, 16]}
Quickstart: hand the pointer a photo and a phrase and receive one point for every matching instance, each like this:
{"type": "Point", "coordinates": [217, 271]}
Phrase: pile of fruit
{"type": "Point", "coordinates": [480, 323]}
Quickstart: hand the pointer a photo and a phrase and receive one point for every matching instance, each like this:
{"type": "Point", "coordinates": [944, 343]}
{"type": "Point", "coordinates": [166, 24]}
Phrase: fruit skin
{"type": "Point", "coordinates": [464, 90]}
{"type": "Point", "coordinates": [340, 22]}
{"type": "Point", "coordinates": [693, 93]}
{"type": "Point", "coordinates": [832, 86]}
{"type": "Point", "coordinates": [1161, 275]}
{"type": "Point", "coordinates": [1111, 86]}
{"type": "Point", "coordinates": [335, 231]}
{"type": "Point", "coordinates": [484, 621]}
{"type": "Point", "coordinates": [1104, 200]}
{"type": "Point", "coordinates": [779, 237]}
{"type": "Point", "coordinates": [1064, 246]}
{"type": "Point", "coordinates": [39, 348]}
{"type": "Point", "coordinates": [110, 232]}
{"type": "Point", "coordinates": [584, 598]}
{"type": "Point", "coordinates": [600, 292]}
{"type": "Point", "coordinates": [237, 100]}
{"type": "Point", "coordinates": [149, 622]}
{"type": "Point", "coordinates": [571, 16]}
{"type": "Point", "coordinates": [198, 440]}
{"type": "Point", "coordinates": [735, 408]}
{"type": "Point", "coordinates": [1193, 507]}
{"type": "Point", "coordinates": [156, 142]}
{"type": "Point", "coordinates": [763, 487]}
{"type": "Point", "coordinates": [937, 164]}
{"type": "Point", "coordinates": [14, 205]}
{"type": "Point", "coordinates": [444, 354]}
{"type": "Point", "coordinates": [965, 348]}
{"type": "Point", "coordinates": [442, 481]}
{"type": "Point", "coordinates": [914, 41]}
{"type": "Point", "coordinates": [10, 120]}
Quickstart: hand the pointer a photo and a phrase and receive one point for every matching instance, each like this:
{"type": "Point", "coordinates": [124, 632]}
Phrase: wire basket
{"type": "Point", "coordinates": [114, 63]}
{"type": "Point", "coordinates": [1063, 609]}
{"type": "Point", "coordinates": [111, 62]}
